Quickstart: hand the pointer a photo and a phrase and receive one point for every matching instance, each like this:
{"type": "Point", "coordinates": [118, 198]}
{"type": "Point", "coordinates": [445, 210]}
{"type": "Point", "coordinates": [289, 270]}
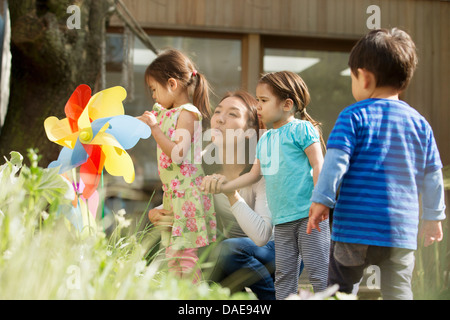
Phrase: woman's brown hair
{"type": "Point", "coordinates": [289, 85]}
{"type": "Point", "coordinates": [253, 122]}
{"type": "Point", "coordinates": [174, 64]}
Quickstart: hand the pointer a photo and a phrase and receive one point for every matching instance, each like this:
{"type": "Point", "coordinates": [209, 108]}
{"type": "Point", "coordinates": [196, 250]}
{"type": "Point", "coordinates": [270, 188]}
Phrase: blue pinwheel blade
{"type": "Point", "coordinates": [69, 159]}
{"type": "Point", "coordinates": [128, 130]}
{"type": "Point", "coordinates": [73, 215]}
{"type": "Point", "coordinates": [98, 124]}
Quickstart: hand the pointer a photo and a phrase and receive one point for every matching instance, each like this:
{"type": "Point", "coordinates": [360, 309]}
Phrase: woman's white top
{"type": "Point", "coordinates": [248, 217]}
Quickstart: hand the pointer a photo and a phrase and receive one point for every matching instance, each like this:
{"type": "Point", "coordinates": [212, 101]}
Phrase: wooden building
{"type": "Point", "coordinates": [328, 25]}
{"type": "Point", "coordinates": [234, 41]}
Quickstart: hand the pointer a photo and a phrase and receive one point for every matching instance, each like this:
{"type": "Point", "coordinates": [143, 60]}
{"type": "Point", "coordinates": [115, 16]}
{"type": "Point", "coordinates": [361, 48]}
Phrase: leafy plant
{"type": "Point", "coordinates": [42, 257]}
{"type": "Point", "coordinates": [432, 273]}
{"type": "Point", "coordinates": [446, 172]}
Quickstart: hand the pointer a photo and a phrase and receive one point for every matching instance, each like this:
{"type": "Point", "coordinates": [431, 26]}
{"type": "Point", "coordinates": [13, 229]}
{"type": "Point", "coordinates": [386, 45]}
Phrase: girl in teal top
{"type": "Point", "coordinates": [290, 158]}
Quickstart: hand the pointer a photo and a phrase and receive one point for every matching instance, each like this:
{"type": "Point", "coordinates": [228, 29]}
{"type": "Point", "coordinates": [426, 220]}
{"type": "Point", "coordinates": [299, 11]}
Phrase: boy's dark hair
{"type": "Point", "coordinates": [389, 54]}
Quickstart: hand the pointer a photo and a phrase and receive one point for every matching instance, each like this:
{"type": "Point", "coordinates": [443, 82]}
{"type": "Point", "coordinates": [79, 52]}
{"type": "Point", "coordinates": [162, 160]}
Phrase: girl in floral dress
{"type": "Point", "coordinates": [176, 125]}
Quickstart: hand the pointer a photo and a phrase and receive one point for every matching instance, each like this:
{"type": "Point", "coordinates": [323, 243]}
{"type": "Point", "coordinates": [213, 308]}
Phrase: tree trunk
{"type": "Point", "coordinates": [49, 61]}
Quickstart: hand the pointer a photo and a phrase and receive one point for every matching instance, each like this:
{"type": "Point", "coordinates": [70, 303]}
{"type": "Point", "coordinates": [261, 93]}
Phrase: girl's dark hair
{"type": "Point", "coordinates": [253, 122]}
{"type": "Point", "coordinates": [174, 64]}
{"type": "Point", "coordinates": [289, 85]}
{"type": "Point", "coordinates": [389, 54]}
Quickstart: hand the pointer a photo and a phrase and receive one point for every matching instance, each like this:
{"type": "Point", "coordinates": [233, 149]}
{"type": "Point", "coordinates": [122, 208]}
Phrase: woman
{"type": "Point", "coordinates": [246, 257]}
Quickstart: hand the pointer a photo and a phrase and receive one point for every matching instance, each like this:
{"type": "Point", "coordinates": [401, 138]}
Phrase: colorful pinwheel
{"type": "Point", "coordinates": [95, 135]}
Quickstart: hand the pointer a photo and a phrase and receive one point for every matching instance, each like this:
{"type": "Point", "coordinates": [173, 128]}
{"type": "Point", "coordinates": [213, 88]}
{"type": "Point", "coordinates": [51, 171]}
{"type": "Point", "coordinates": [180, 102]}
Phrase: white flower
{"type": "Point", "coordinates": [120, 218]}
{"type": "Point", "coordinates": [121, 212]}
{"type": "Point", "coordinates": [70, 193]}
{"type": "Point", "coordinates": [44, 215]}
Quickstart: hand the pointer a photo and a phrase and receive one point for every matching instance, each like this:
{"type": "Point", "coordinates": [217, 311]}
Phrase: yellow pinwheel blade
{"type": "Point", "coordinates": [118, 163]}
{"type": "Point", "coordinates": [83, 121]}
{"type": "Point", "coordinates": [106, 139]}
{"type": "Point", "coordinates": [59, 131]}
{"type": "Point", "coordinates": [107, 103]}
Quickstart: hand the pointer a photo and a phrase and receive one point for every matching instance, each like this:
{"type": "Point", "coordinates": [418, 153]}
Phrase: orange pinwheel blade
{"type": "Point", "coordinates": [90, 171]}
{"type": "Point", "coordinates": [76, 104]}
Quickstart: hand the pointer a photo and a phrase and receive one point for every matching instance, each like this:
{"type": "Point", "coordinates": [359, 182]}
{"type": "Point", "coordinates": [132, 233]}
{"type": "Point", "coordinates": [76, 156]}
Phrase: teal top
{"type": "Point", "coordinates": [286, 169]}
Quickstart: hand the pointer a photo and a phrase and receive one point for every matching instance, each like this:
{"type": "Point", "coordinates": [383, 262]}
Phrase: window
{"type": "Point", "coordinates": [325, 73]}
{"type": "Point", "coordinates": [218, 58]}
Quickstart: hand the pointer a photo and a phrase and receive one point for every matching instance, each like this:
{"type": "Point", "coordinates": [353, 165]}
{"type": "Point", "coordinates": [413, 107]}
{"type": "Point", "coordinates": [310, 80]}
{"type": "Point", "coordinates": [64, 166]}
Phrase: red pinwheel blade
{"type": "Point", "coordinates": [90, 171]}
{"type": "Point", "coordinates": [76, 104]}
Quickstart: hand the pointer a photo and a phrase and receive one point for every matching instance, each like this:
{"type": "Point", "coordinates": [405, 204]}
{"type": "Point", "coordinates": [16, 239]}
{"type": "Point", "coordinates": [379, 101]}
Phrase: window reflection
{"type": "Point", "coordinates": [219, 59]}
{"type": "Point", "coordinates": [326, 74]}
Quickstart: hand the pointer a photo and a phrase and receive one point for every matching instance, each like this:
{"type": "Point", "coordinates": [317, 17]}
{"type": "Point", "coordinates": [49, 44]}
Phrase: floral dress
{"type": "Point", "coordinates": [194, 215]}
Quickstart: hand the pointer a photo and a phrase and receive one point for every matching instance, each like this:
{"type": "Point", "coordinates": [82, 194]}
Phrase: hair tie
{"type": "Point", "coordinates": [194, 73]}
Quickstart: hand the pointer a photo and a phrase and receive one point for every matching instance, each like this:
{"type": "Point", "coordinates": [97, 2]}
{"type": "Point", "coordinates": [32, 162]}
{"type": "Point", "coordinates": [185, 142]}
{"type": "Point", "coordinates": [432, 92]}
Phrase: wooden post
{"type": "Point", "coordinates": [252, 61]}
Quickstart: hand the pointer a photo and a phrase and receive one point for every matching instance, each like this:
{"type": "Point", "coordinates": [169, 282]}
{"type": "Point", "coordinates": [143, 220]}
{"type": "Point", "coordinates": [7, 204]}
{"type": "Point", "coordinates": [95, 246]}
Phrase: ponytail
{"type": "Point", "coordinates": [305, 116]}
{"type": "Point", "coordinates": [289, 85]}
{"type": "Point", "coordinates": [200, 98]}
{"type": "Point", "coordinates": [174, 64]}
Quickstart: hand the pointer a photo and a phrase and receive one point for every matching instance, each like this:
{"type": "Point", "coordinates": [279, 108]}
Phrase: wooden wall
{"type": "Point", "coordinates": [428, 22]}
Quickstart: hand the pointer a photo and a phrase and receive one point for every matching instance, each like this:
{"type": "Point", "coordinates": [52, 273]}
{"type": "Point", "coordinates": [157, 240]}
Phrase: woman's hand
{"type": "Point", "coordinates": [148, 118]}
{"type": "Point", "coordinates": [161, 217]}
{"type": "Point", "coordinates": [213, 183]}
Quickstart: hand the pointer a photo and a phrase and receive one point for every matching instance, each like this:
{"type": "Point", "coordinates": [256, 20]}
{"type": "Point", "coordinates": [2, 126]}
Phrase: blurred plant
{"type": "Point", "coordinates": [331, 293]}
{"type": "Point", "coordinates": [432, 272]}
{"type": "Point", "coordinates": [43, 257]}
{"type": "Point", "coordinates": [446, 172]}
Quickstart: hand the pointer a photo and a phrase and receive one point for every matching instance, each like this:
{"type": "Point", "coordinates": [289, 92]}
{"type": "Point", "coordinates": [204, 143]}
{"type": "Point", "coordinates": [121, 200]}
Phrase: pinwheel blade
{"type": "Point", "coordinates": [107, 103]}
{"type": "Point", "coordinates": [59, 131]}
{"type": "Point", "coordinates": [76, 104]}
{"type": "Point", "coordinates": [100, 125]}
{"type": "Point", "coordinates": [118, 163]}
{"type": "Point", "coordinates": [128, 130]}
{"type": "Point", "coordinates": [70, 158]}
{"type": "Point", "coordinates": [90, 171]}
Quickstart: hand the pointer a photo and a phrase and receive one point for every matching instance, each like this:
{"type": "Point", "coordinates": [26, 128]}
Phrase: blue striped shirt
{"type": "Point", "coordinates": [391, 148]}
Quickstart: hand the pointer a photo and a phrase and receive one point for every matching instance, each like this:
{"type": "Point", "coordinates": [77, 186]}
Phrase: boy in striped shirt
{"type": "Point", "coordinates": [381, 154]}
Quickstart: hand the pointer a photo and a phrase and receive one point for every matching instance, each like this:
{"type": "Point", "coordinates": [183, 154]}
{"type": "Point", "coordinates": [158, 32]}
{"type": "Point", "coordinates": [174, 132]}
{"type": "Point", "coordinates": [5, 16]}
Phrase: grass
{"type": "Point", "coordinates": [43, 256]}
{"type": "Point", "coordinates": [432, 271]}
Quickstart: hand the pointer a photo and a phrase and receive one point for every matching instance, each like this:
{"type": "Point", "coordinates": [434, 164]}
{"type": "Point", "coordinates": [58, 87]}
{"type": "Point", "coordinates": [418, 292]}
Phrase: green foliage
{"type": "Point", "coordinates": [42, 257]}
{"type": "Point", "coordinates": [431, 273]}
{"type": "Point", "coordinates": [446, 172]}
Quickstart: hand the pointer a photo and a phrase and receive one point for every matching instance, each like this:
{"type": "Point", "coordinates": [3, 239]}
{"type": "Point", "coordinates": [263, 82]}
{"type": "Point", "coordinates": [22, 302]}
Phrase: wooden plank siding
{"type": "Point", "coordinates": [426, 21]}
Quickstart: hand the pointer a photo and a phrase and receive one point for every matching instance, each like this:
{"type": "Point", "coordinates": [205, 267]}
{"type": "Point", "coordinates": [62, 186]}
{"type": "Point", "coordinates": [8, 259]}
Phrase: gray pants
{"type": "Point", "coordinates": [292, 245]}
{"type": "Point", "coordinates": [349, 260]}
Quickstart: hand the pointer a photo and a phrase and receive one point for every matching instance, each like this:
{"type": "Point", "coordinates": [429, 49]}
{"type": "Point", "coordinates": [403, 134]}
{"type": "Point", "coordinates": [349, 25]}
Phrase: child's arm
{"type": "Point", "coordinates": [246, 179]}
{"type": "Point", "coordinates": [315, 157]}
{"type": "Point", "coordinates": [433, 207]}
{"type": "Point", "coordinates": [335, 166]}
{"type": "Point", "coordinates": [179, 148]}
